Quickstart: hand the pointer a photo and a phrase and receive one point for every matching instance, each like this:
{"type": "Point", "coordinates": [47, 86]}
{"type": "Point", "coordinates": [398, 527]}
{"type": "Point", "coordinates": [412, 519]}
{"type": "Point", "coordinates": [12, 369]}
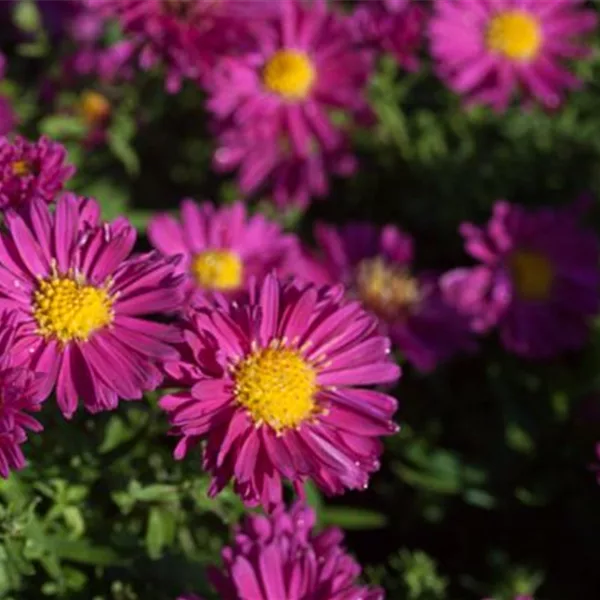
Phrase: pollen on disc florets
{"type": "Point", "coordinates": [277, 386]}
{"type": "Point", "coordinates": [515, 34]}
{"type": "Point", "coordinates": [290, 74]}
{"type": "Point", "coordinates": [388, 290]}
{"type": "Point", "coordinates": [218, 270]}
{"type": "Point", "coordinates": [532, 274]}
{"type": "Point", "coordinates": [67, 308]}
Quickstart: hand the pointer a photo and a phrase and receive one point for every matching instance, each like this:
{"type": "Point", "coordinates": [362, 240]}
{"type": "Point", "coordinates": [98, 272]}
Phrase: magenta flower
{"type": "Point", "coordinates": [279, 557]}
{"type": "Point", "coordinates": [393, 26]}
{"type": "Point", "coordinates": [538, 281]}
{"type": "Point", "coordinates": [264, 162]}
{"type": "Point", "coordinates": [275, 387]}
{"type": "Point", "coordinates": [222, 248]}
{"type": "Point", "coordinates": [81, 300]}
{"type": "Point", "coordinates": [184, 36]}
{"type": "Point", "coordinates": [31, 170]}
{"type": "Point", "coordinates": [489, 49]}
{"type": "Point", "coordinates": [283, 89]}
{"type": "Point", "coordinates": [375, 266]}
{"type": "Point", "coordinates": [19, 395]}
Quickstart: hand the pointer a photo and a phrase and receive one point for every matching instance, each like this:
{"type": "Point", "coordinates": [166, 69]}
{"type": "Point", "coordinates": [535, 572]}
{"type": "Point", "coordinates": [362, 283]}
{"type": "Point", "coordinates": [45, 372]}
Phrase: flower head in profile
{"type": "Point", "coordinates": [221, 248]}
{"type": "Point", "coordinates": [266, 162]}
{"type": "Point", "coordinates": [490, 49]}
{"type": "Point", "coordinates": [282, 90]}
{"type": "Point", "coordinates": [375, 264]}
{"type": "Point", "coordinates": [280, 557]}
{"type": "Point", "coordinates": [31, 170]}
{"type": "Point", "coordinates": [538, 279]}
{"type": "Point", "coordinates": [276, 386]}
{"type": "Point", "coordinates": [183, 36]}
{"type": "Point", "coordinates": [82, 303]}
{"type": "Point", "coordinates": [19, 396]}
{"type": "Point", "coordinates": [393, 26]}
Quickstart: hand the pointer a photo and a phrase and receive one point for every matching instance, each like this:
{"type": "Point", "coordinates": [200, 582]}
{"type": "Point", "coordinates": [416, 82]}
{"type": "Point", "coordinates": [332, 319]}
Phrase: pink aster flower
{"type": "Point", "coordinates": [280, 93]}
{"type": "Point", "coordinates": [19, 395]}
{"type": "Point", "coordinates": [81, 301]}
{"type": "Point", "coordinates": [222, 248]}
{"type": "Point", "coordinates": [538, 281]}
{"type": "Point", "coordinates": [489, 49]}
{"type": "Point", "coordinates": [393, 26]}
{"type": "Point", "coordinates": [31, 170]}
{"type": "Point", "coordinates": [275, 385]}
{"type": "Point", "coordinates": [280, 557]}
{"type": "Point", "coordinates": [185, 36]}
{"type": "Point", "coordinates": [266, 162]}
{"type": "Point", "coordinates": [376, 267]}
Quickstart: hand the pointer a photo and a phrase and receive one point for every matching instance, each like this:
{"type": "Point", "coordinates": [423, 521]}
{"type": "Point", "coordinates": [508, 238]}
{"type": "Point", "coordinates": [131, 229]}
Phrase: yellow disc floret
{"type": "Point", "coordinates": [218, 270]}
{"type": "Point", "coordinates": [277, 387]}
{"type": "Point", "coordinates": [388, 290]}
{"type": "Point", "coordinates": [94, 107]}
{"type": "Point", "coordinates": [532, 274]}
{"type": "Point", "coordinates": [515, 34]}
{"type": "Point", "coordinates": [289, 73]}
{"type": "Point", "coordinates": [68, 309]}
{"type": "Point", "coordinates": [21, 168]}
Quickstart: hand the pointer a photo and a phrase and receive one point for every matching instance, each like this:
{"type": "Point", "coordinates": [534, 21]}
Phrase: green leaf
{"type": "Point", "coordinates": [82, 551]}
{"type": "Point", "coordinates": [123, 150]}
{"type": "Point", "coordinates": [62, 126]}
{"type": "Point", "coordinates": [155, 533]}
{"type": "Point", "coordinates": [348, 517]}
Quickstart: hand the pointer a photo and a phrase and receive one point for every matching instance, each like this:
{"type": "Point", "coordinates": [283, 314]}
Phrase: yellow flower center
{"type": "Point", "coordinates": [388, 290]}
{"type": "Point", "coordinates": [21, 168]}
{"type": "Point", "coordinates": [67, 309]}
{"type": "Point", "coordinates": [277, 387]}
{"type": "Point", "coordinates": [94, 107]}
{"type": "Point", "coordinates": [532, 274]}
{"type": "Point", "coordinates": [218, 270]}
{"type": "Point", "coordinates": [289, 73]}
{"type": "Point", "coordinates": [514, 33]}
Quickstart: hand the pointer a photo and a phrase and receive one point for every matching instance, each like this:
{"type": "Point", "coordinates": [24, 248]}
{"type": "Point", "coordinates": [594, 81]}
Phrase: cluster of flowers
{"type": "Point", "coordinates": [271, 370]}
{"type": "Point", "coordinates": [286, 79]}
{"type": "Point", "coordinates": [271, 345]}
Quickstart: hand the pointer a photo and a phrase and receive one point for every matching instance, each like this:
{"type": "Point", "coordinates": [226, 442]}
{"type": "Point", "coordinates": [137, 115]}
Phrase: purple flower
{"type": "Point", "coordinates": [222, 248]}
{"type": "Point", "coordinates": [31, 170]}
{"type": "Point", "coordinates": [279, 557]}
{"type": "Point", "coordinates": [81, 302]}
{"type": "Point", "coordinates": [184, 36]}
{"type": "Point", "coordinates": [273, 102]}
{"type": "Point", "coordinates": [20, 394]}
{"type": "Point", "coordinates": [538, 281]}
{"type": "Point", "coordinates": [393, 26]}
{"type": "Point", "coordinates": [375, 265]}
{"type": "Point", "coordinates": [266, 161]}
{"type": "Point", "coordinates": [275, 384]}
{"type": "Point", "coordinates": [486, 50]}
